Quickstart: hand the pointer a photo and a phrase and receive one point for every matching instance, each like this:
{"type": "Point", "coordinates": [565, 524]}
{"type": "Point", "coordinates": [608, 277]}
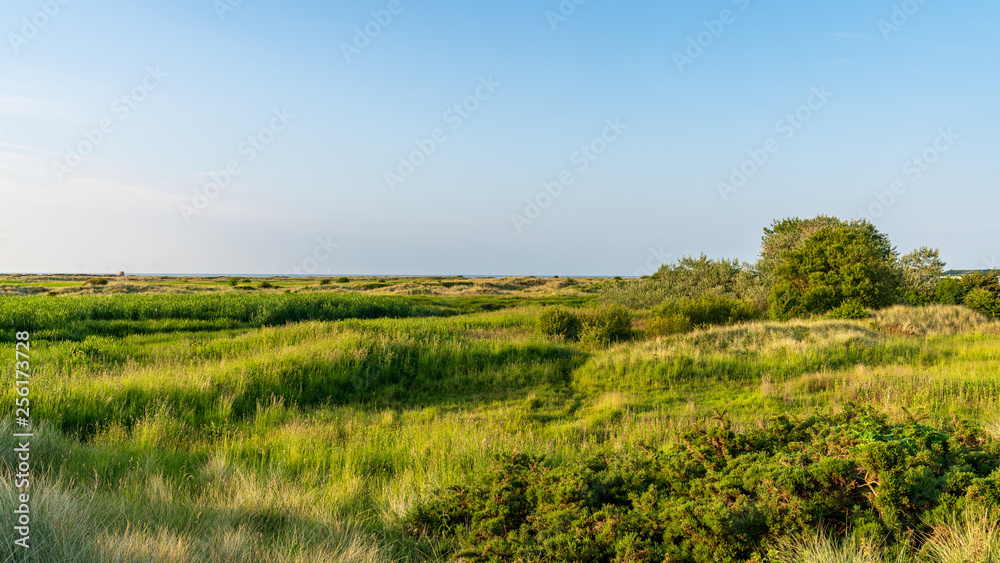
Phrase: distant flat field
{"type": "Point", "coordinates": [210, 419]}
{"type": "Point", "coordinates": [526, 286]}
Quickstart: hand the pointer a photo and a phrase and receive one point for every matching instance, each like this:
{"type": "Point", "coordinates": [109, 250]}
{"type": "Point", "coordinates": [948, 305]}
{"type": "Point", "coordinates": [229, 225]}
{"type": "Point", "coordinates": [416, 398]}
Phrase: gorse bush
{"type": "Point", "coordinates": [849, 310]}
{"type": "Point", "coordinates": [949, 292]}
{"type": "Point", "coordinates": [719, 496]}
{"type": "Point", "coordinates": [988, 281]}
{"type": "Point", "coordinates": [556, 321]}
{"type": "Point", "coordinates": [667, 323]}
{"type": "Point", "coordinates": [983, 301]}
{"type": "Point", "coordinates": [681, 315]}
{"type": "Point", "coordinates": [717, 310]}
{"type": "Point", "coordinates": [606, 326]}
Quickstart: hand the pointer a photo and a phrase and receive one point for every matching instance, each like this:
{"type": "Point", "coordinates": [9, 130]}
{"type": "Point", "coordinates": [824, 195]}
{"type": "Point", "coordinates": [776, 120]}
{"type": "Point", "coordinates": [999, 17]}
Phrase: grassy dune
{"type": "Point", "coordinates": [268, 427]}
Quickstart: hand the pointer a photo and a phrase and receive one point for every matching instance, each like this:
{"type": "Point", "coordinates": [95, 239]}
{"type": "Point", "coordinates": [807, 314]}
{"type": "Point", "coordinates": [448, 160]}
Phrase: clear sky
{"type": "Point", "coordinates": [418, 136]}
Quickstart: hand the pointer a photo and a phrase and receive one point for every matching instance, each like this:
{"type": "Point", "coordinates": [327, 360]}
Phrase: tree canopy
{"type": "Point", "coordinates": [840, 263]}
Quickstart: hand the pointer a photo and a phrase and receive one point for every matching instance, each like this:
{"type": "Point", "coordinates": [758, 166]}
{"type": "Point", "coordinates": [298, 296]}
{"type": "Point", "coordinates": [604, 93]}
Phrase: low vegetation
{"type": "Point", "coordinates": [689, 416]}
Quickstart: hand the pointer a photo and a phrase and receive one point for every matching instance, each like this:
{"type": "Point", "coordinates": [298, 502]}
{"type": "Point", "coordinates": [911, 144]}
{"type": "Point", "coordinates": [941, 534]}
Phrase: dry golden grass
{"type": "Point", "coordinates": [933, 320]}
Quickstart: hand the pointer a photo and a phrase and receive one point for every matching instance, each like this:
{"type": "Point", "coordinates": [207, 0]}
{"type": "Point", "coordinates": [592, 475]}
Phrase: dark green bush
{"type": "Point", "coordinates": [718, 310]}
{"type": "Point", "coordinates": [267, 285]}
{"type": "Point", "coordinates": [949, 292]}
{"type": "Point", "coordinates": [984, 302]}
{"type": "Point", "coordinates": [325, 281]}
{"type": "Point", "coordinates": [343, 280]}
{"type": "Point", "coordinates": [989, 281]}
{"type": "Point", "coordinates": [851, 262]}
{"type": "Point", "coordinates": [96, 281]}
{"type": "Point", "coordinates": [680, 315]}
{"type": "Point", "coordinates": [668, 323]}
{"type": "Point", "coordinates": [849, 310]}
{"type": "Point", "coordinates": [719, 496]}
{"type": "Point", "coordinates": [556, 321]}
{"type": "Point", "coordinates": [688, 278]}
{"type": "Point", "coordinates": [606, 326]}
{"type": "Point", "coordinates": [922, 271]}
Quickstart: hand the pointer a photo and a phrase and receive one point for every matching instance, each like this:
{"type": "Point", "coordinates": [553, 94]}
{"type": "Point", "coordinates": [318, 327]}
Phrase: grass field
{"type": "Point", "coordinates": [202, 422]}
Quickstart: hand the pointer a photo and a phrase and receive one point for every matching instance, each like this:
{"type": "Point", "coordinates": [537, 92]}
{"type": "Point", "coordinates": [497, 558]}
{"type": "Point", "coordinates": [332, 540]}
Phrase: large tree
{"type": "Point", "coordinates": [839, 263]}
{"type": "Point", "coordinates": [922, 271]}
{"type": "Point", "coordinates": [785, 236]}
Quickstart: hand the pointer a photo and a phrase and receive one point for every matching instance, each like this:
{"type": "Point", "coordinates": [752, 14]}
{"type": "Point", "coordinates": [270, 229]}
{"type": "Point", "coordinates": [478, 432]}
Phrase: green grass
{"type": "Point", "coordinates": [58, 317]}
{"type": "Point", "coordinates": [272, 427]}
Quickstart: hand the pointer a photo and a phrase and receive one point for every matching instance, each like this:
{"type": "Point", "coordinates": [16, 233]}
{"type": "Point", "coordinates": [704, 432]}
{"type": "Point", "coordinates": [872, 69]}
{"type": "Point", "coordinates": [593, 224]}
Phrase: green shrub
{"type": "Point", "coordinates": [989, 281]}
{"type": "Point", "coordinates": [718, 310]}
{"type": "Point", "coordinates": [720, 496]}
{"type": "Point", "coordinates": [667, 324]}
{"type": "Point", "coordinates": [556, 321]}
{"type": "Point", "coordinates": [606, 326]}
{"type": "Point", "coordinates": [343, 280]}
{"type": "Point", "coordinates": [267, 285]}
{"type": "Point", "coordinates": [949, 292]}
{"type": "Point", "coordinates": [984, 302]}
{"type": "Point", "coordinates": [96, 281]}
{"type": "Point", "coordinates": [922, 270]}
{"type": "Point", "coordinates": [688, 278]}
{"type": "Point", "coordinates": [849, 310]}
{"type": "Point", "coordinates": [851, 262]}
{"type": "Point", "coordinates": [325, 281]}
{"type": "Point", "coordinates": [706, 310]}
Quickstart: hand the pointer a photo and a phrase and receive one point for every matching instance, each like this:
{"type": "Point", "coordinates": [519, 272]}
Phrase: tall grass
{"type": "Point", "coordinates": [300, 428]}
{"type": "Point", "coordinates": [970, 537]}
{"type": "Point", "coordinates": [118, 315]}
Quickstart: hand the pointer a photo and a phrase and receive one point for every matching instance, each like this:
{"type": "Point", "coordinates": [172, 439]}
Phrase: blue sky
{"type": "Point", "coordinates": [185, 93]}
